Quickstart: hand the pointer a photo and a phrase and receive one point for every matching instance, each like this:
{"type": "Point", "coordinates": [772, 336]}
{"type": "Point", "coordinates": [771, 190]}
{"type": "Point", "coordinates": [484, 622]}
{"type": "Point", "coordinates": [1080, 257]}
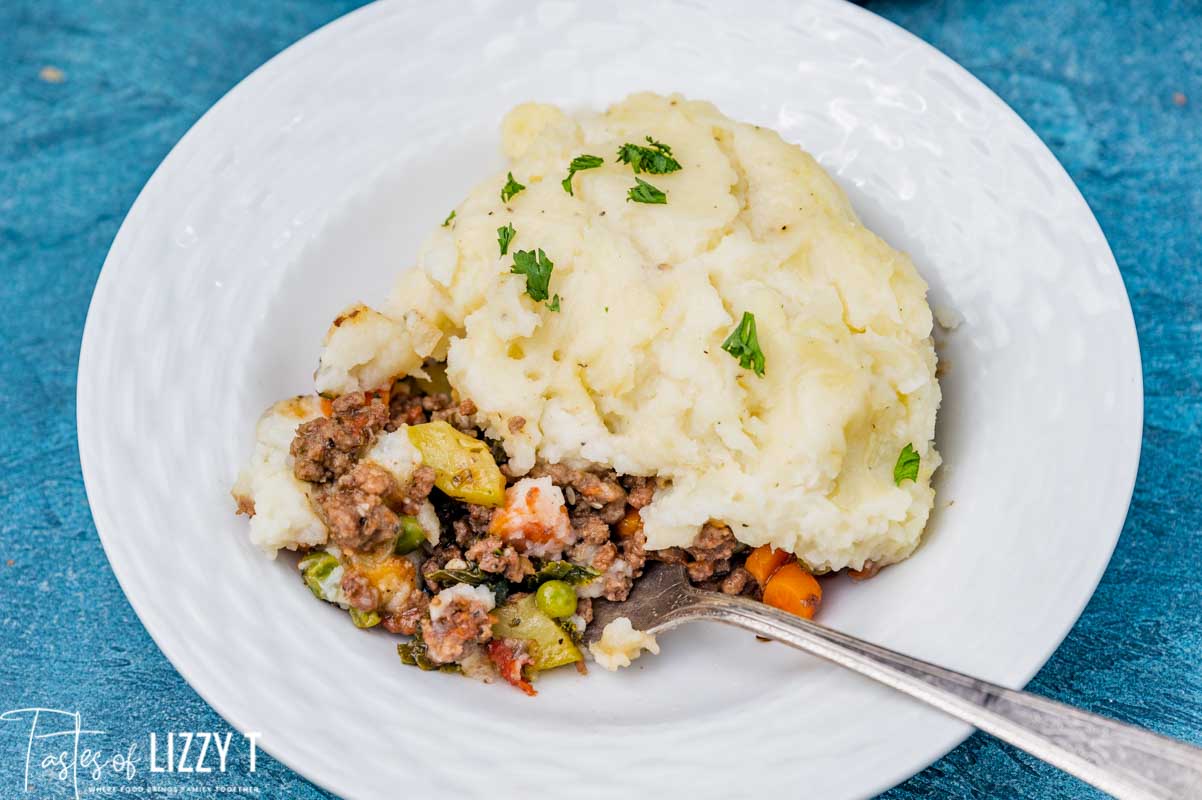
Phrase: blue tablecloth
{"type": "Point", "coordinates": [95, 94]}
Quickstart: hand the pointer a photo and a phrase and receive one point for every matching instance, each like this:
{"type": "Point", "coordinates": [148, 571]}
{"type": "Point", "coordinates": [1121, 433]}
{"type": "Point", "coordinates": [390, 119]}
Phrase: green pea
{"type": "Point", "coordinates": [315, 568]}
{"type": "Point", "coordinates": [364, 619]}
{"type": "Point", "coordinates": [556, 599]}
{"type": "Point", "coordinates": [410, 537]}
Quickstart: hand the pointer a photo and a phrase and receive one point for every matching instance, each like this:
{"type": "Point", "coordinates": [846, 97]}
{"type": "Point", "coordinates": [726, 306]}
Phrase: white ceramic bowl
{"type": "Point", "coordinates": [311, 184]}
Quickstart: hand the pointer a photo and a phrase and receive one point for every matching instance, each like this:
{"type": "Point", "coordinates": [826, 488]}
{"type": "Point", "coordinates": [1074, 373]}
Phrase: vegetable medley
{"type": "Point", "coordinates": [486, 573]}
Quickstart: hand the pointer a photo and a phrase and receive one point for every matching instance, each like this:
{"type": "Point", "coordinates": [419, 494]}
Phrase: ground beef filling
{"type": "Point", "coordinates": [326, 448]}
{"type": "Point", "coordinates": [494, 556]}
{"type": "Point", "coordinates": [588, 493]}
{"type": "Point", "coordinates": [362, 505]}
{"type": "Point", "coordinates": [407, 407]}
{"type": "Point", "coordinates": [359, 591]}
{"type": "Point", "coordinates": [358, 507]}
{"type": "Point", "coordinates": [464, 623]}
{"type": "Point", "coordinates": [407, 620]}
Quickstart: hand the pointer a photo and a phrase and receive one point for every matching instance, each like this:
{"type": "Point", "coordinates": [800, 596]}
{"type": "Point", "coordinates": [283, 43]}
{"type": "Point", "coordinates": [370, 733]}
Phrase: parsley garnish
{"type": "Point", "coordinates": [744, 345]}
{"type": "Point", "coordinates": [643, 192]}
{"type": "Point", "coordinates": [907, 465]}
{"type": "Point", "coordinates": [537, 269]}
{"type": "Point", "coordinates": [656, 159]}
{"type": "Point", "coordinates": [447, 221]}
{"type": "Point", "coordinates": [505, 236]}
{"type": "Point", "coordinates": [510, 188]}
{"type": "Point", "coordinates": [580, 163]}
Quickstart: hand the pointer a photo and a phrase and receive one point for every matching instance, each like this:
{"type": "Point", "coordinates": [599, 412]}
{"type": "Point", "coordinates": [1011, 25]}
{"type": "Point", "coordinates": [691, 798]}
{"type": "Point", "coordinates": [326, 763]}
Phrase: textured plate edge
{"type": "Point", "coordinates": [83, 389]}
{"type": "Point", "coordinates": [1131, 333]}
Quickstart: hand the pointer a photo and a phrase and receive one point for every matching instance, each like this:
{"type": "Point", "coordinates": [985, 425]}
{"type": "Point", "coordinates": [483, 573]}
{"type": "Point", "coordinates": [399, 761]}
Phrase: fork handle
{"type": "Point", "coordinates": [1123, 760]}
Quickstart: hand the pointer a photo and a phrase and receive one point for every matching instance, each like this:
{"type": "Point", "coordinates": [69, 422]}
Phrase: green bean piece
{"type": "Point", "coordinates": [364, 619]}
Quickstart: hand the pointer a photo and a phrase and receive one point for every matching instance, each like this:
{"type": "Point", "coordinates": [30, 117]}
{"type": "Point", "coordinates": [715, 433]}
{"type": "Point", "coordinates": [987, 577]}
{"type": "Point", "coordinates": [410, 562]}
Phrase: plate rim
{"type": "Point", "coordinates": [85, 435]}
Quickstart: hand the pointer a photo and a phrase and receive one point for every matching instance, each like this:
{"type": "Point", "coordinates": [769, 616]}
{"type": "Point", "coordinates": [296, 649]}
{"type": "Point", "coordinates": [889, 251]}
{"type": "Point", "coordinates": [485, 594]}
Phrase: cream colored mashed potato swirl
{"type": "Point", "coordinates": [630, 373]}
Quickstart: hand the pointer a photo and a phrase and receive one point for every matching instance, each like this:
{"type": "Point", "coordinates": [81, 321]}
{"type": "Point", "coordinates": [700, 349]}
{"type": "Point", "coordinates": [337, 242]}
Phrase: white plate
{"type": "Point", "coordinates": [312, 183]}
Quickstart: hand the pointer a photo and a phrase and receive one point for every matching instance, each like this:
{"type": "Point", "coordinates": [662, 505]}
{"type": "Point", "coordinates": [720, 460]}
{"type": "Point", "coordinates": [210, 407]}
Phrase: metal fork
{"type": "Point", "coordinates": [1123, 760]}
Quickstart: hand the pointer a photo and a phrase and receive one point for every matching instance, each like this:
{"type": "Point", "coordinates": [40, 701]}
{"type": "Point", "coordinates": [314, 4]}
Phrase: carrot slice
{"type": "Point", "coordinates": [630, 524]}
{"type": "Point", "coordinates": [794, 590]}
{"type": "Point", "coordinates": [764, 561]}
{"type": "Point", "coordinates": [327, 407]}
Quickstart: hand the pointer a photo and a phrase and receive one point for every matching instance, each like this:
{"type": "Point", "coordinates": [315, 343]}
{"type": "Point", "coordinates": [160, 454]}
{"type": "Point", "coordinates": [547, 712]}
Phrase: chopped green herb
{"type": "Point", "coordinates": [447, 221]}
{"type": "Point", "coordinates": [560, 571]}
{"type": "Point", "coordinates": [907, 465]}
{"type": "Point", "coordinates": [744, 345]}
{"type": "Point", "coordinates": [644, 192]}
{"type": "Point", "coordinates": [537, 269]}
{"type": "Point", "coordinates": [473, 576]}
{"type": "Point", "coordinates": [505, 236]}
{"type": "Point", "coordinates": [580, 163]}
{"type": "Point", "coordinates": [656, 159]}
{"type": "Point", "coordinates": [510, 188]}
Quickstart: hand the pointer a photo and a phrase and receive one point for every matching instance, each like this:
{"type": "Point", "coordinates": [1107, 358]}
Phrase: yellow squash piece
{"type": "Point", "coordinates": [522, 619]}
{"type": "Point", "coordinates": [463, 465]}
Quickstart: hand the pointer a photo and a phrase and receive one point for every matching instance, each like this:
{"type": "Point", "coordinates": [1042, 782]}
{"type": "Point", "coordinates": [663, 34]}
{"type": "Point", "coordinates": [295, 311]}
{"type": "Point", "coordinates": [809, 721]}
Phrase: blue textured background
{"type": "Point", "coordinates": [1113, 88]}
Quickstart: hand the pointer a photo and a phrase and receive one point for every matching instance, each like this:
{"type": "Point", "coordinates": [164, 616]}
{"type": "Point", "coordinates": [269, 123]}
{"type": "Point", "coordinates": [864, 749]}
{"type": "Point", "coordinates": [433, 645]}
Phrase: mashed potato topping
{"type": "Point", "coordinates": [620, 644]}
{"type": "Point", "coordinates": [630, 372]}
{"type": "Point", "coordinates": [534, 519]}
{"type": "Point", "coordinates": [282, 515]}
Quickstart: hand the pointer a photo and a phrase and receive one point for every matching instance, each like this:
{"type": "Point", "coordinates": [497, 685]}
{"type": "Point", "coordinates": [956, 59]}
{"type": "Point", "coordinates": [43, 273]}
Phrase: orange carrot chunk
{"type": "Point", "coordinates": [794, 590]}
{"type": "Point", "coordinates": [630, 524]}
{"type": "Point", "coordinates": [327, 407]}
{"type": "Point", "coordinates": [764, 561]}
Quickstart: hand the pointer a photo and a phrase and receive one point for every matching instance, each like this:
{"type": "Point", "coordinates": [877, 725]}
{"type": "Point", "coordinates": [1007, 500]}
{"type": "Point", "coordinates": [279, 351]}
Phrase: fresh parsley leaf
{"type": "Point", "coordinates": [510, 188]}
{"type": "Point", "coordinates": [656, 159]}
{"type": "Point", "coordinates": [907, 465]}
{"type": "Point", "coordinates": [643, 192]}
{"type": "Point", "coordinates": [660, 146]}
{"type": "Point", "coordinates": [580, 163]}
{"type": "Point", "coordinates": [505, 236]}
{"type": "Point", "coordinates": [744, 345]}
{"type": "Point", "coordinates": [447, 221]}
{"type": "Point", "coordinates": [537, 269]}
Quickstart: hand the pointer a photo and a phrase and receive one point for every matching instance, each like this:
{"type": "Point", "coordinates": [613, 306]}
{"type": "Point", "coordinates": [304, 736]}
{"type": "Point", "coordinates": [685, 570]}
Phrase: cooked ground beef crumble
{"type": "Point", "coordinates": [367, 513]}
